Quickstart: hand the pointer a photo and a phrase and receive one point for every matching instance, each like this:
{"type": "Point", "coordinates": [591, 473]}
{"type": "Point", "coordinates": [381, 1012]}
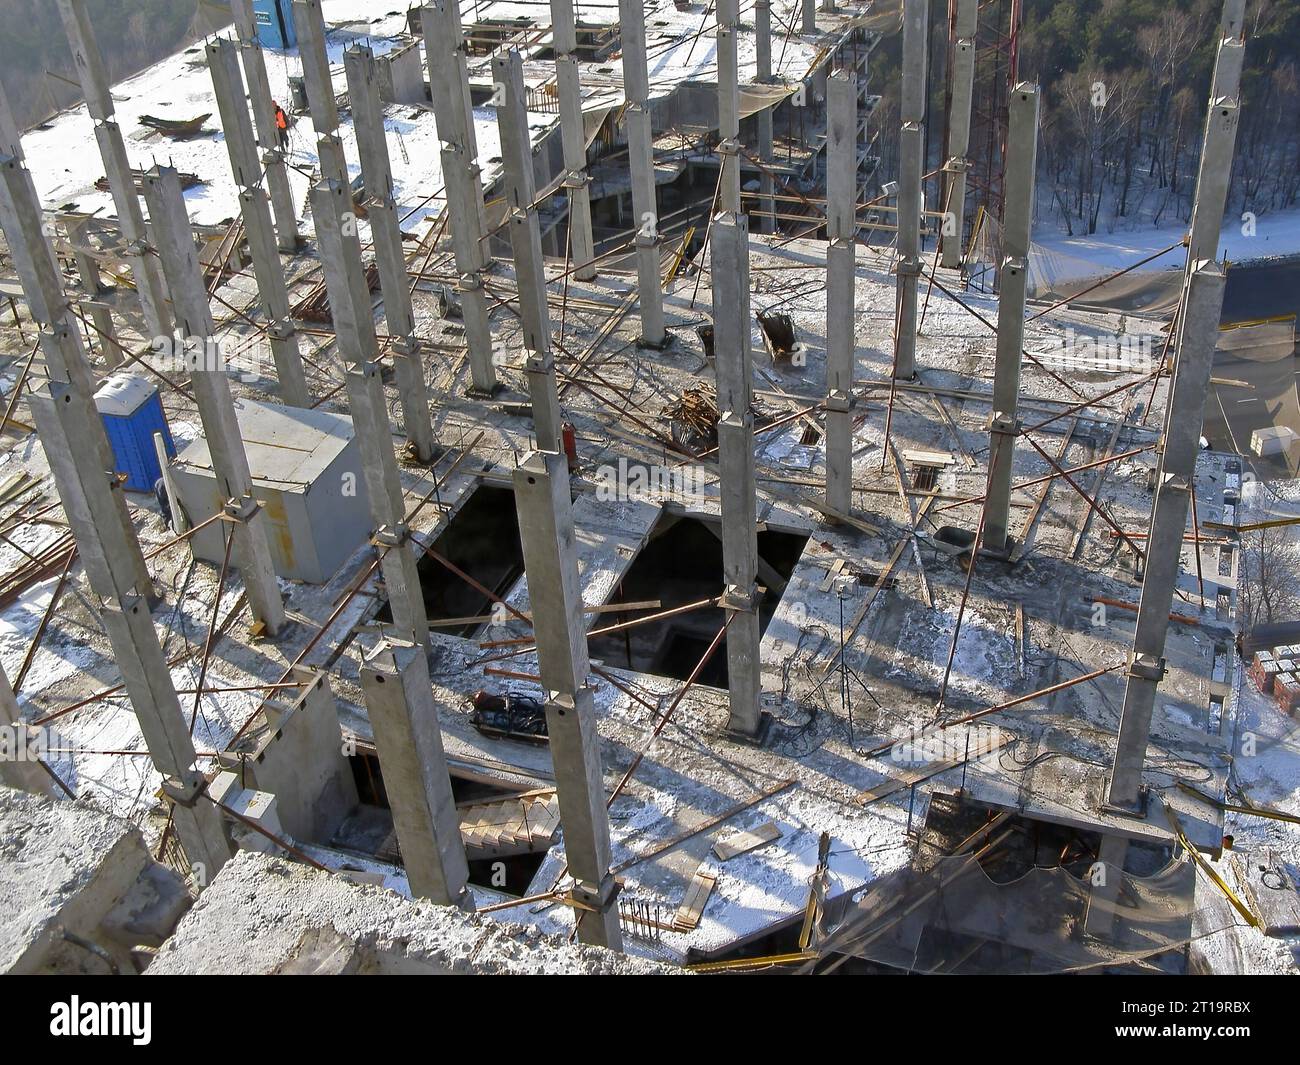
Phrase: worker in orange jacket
{"type": "Point", "coordinates": [282, 126]}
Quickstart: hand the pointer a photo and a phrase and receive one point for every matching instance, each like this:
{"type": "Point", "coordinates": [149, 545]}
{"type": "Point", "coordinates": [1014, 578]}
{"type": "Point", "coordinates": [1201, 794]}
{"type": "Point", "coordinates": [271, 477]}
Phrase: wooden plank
{"type": "Point", "coordinates": [696, 898]}
{"type": "Point", "coordinates": [737, 843]}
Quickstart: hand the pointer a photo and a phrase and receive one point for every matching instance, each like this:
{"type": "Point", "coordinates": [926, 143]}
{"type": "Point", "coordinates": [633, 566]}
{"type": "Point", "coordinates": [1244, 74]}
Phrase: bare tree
{"type": "Point", "coordinates": [1268, 587]}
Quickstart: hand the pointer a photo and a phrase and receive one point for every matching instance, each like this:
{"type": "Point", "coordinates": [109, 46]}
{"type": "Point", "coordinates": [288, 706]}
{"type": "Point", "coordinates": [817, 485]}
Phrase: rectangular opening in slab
{"type": "Point", "coordinates": [681, 563]}
{"type": "Point", "coordinates": [482, 541]}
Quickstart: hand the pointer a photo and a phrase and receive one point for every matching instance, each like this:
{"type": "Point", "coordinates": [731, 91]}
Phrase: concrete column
{"type": "Point", "coordinates": [444, 49]}
{"type": "Point", "coordinates": [62, 414]}
{"type": "Point", "coordinates": [268, 136]}
{"type": "Point", "coordinates": [809, 16]}
{"type": "Point", "coordinates": [640, 150]}
{"type": "Point", "coordinates": [1017, 217]}
{"type": "Point", "coordinates": [101, 316]}
{"type": "Point", "coordinates": [526, 244]}
{"type": "Point", "coordinates": [1220, 136]}
{"type": "Point", "coordinates": [309, 24]}
{"type": "Point", "coordinates": [763, 43]}
{"type": "Point", "coordinates": [386, 232]}
{"type": "Point", "coordinates": [1184, 414]}
{"type": "Point", "coordinates": [211, 387]}
{"type": "Point", "coordinates": [354, 326]}
{"type": "Point", "coordinates": [223, 63]}
{"type": "Point", "coordinates": [96, 88]}
{"type": "Point", "coordinates": [574, 137]}
{"type": "Point", "coordinates": [550, 560]}
{"type": "Point", "coordinates": [1175, 479]}
{"type": "Point", "coordinates": [728, 15]}
{"type": "Point", "coordinates": [911, 145]}
{"type": "Point", "coordinates": [66, 362]}
{"type": "Point", "coordinates": [729, 270]}
{"type": "Point", "coordinates": [19, 771]}
{"type": "Point", "coordinates": [841, 268]}
{"type": "Point", "coordinates": [404, 717]}
{"type": "Point", "coordinates": [954, 170]}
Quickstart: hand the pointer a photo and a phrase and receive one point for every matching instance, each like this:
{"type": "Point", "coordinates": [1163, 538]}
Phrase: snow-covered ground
{"type": "Point", "coordinates": [1271, 236]}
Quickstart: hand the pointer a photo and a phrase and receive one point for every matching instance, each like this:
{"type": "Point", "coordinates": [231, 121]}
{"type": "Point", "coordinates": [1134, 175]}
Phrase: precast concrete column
{"type": "Point", "coordinates": [841, 268]}
{"type": "Point", "coordinates": [916, 22]}
{"type": "Point", "coordinates": [246, 165]}
{"type": "Point", "coordinates": [729, 271]}
{"type": "Point", "coordinates": [95, 86]}
{"type": "Point", "coordinates": [211, 387]}
{"type": "Point", "coordinates": [309, 25]}
{"type": "Point", "coordinates": [573, 137]}
{"type": "Point", "coordinates": [954, 170]}
{"type": "Point", "coordinates": [408, 738]}
{"type": "Point", "coordinates": [268, 134]}
{"type": "Point", "coordinates": [386, 232]}
{"type": "Point", "coordinates": [728, 15]}
{"type": "Point", "coordinates": [546, 531]}
{"type": "Point", "coordinates": [763, 45]}
{"type": "Point", "coordinates": [640, 150]}
{"type": "Point", "coordinates": [1017, 216]}
{"type": "Point", "coordinates": [444, 48]}
{"type": "Point", "coordinates": [526, 243]}
{"type": "Point", "coordinates": [354, 327]}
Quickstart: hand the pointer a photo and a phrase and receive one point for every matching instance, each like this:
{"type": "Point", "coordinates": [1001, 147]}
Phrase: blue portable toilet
{"type": "Point", "coordinates": [275, 23]}
{"type": "Point", "coordinates": [132, 411]}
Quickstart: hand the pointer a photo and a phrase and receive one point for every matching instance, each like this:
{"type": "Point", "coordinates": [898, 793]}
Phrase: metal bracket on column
{"type": "Point", "coordinates": [1003, 425]}
{"type": "Point", "coordinates": [956, 165]}
{"type": "Point", "coordinates": [908, 267]}
{"type": "Point", "coordinates": [599, 898]}
{"type": "Point", "coordinates": [742, 600]}
{"type": "Point", "coordinates": [839, 402]}
{"type": "Point", "coordinates": [242, 510]}
{"type": "Point", "coordinates": [392, 535]}
{"type": "Point", "coordinates": [184, 793]}
{"type": "Point", "coordinates": [1138, 811]}
{"type": "Point", "coordinates": [280, 329]}
{"type": "Point", "coordinates": [1147, 667]}
{"type": "Point", "coordinates": [575, 179]}
{"type": "Point", "coordinates": [1176, 482]}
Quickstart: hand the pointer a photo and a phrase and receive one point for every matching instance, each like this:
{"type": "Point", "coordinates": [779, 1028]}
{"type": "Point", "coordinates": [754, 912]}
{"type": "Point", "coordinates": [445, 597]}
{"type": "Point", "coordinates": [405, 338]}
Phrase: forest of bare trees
{"type": "Point", "coordinates": [1121, 131]}
{"type": "Point", "coordinates": [1125, 85]}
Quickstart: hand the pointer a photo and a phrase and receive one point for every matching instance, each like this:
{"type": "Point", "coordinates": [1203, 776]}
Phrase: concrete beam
{"type": "Point", "coordinates": [526, 244]}
{"type": "Point", "coordinates": [268, 135]}
{"type": "Point", "coordinates": [1017, 215]}
{"type": "Point", "coordinates": [731, 345]}
{"type": "Point", "coordinates": [211, 387]}
{"type": "Point", "coordinates": [546, 531]}
{"type": "Point", "coordinates": [354, 326]}
{"type": "Point", "coordinates": [573, 135]}
{"type": "Point", "coordinates": [386, 232]}
{"type": "Point", "coordinates": [404, 717]}
{"type": "Point", "coordinates": [841, 270]}
{"type": "Point", "coordinates": [223, 63]}
{"type": "Point", "coordinates": [959, 114]}
{"type": "Point", "coordinates": [645, 207]}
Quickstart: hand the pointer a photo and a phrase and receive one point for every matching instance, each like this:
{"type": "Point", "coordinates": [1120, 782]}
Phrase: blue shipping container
{"type": "Point", "coordinates": [132, 411]}
{"type": "Point", "coordinates": [275, 23]}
